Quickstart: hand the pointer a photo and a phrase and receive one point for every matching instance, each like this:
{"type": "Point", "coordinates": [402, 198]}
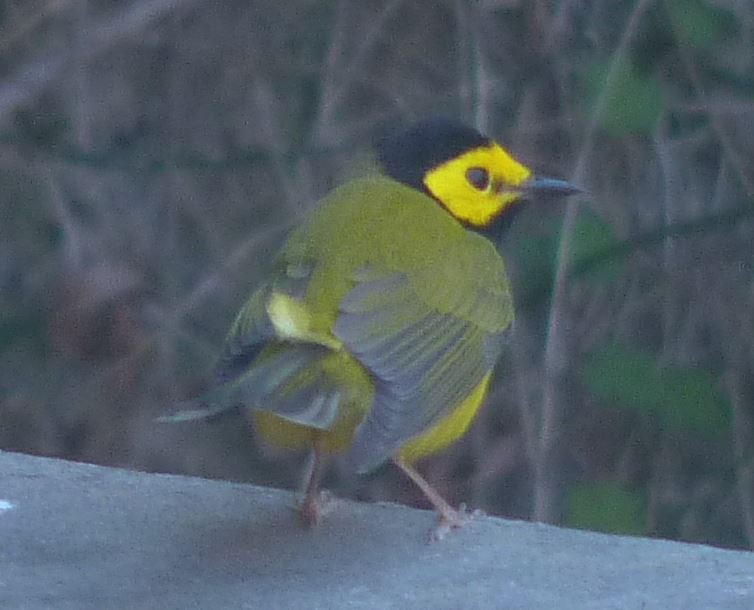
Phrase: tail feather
{"type": "Point", "coordinates": [198, 410]}
{"type": "Point", "coordinates": [290, 380]}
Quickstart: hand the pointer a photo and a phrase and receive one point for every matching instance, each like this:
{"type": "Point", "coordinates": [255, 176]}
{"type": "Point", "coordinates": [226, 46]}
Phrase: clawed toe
{"type": "Point", "coordinates": [315, 507]}
{"type": "Point", "coordinates": [450, 519]}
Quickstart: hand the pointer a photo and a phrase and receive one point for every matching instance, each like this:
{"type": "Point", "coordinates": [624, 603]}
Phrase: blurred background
{"type": "Point", "coordinates": [154, 153]}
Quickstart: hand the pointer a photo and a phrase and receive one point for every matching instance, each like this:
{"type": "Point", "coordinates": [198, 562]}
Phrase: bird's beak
{"type": "Point", "coordinates": [552, 187]}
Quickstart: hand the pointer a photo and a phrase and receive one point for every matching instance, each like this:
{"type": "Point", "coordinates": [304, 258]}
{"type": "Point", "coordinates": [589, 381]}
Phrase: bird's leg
{"type": "Point", "coordinates": [314, 505]}
{"type": "Point", "coordinates": [448, 517]}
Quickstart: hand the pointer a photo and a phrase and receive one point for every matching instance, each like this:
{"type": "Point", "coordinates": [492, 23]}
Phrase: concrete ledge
{"type": "Point", "coordinates": [86, 537]}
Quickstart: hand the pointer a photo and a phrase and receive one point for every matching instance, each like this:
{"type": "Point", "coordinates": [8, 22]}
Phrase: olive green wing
{"type": "Point", "coordinates": [268, 363]}
{"type": "Point", "coordinates": [426, 349]}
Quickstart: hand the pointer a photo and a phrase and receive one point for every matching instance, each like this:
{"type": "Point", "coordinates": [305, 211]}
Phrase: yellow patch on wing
{"type": "Point", "coordinates": [292, 322]}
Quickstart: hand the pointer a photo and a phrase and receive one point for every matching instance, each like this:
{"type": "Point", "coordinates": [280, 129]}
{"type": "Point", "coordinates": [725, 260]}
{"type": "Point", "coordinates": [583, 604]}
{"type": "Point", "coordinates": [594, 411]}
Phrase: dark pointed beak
{"type": "Point", "coordinates": [548, 187]}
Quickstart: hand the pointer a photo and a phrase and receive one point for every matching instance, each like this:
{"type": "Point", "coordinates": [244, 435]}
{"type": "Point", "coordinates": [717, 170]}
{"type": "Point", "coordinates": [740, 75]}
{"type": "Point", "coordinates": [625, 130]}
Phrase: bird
{"type": "Point", "coordinates": [376, 330]}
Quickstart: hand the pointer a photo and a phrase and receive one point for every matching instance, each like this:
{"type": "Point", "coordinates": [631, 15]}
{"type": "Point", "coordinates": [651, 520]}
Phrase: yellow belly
{"type": "Point", "coordinates": [449, 429]}
{"type": "Point", "coordinates": [279, 431]}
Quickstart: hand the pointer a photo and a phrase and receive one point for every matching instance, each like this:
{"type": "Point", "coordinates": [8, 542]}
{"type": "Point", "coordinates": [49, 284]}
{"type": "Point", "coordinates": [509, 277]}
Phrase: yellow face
{"type": "Point", "coordinates": [478, 185]}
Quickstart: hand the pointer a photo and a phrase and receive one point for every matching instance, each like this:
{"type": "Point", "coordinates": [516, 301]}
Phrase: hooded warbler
{"type": "Point", "coordinates": [376, 331]}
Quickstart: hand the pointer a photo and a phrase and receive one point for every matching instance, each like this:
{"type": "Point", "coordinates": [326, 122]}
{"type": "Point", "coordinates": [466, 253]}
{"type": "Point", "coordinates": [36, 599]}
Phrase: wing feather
{"type": "Point", "coordinates": [424, 361]}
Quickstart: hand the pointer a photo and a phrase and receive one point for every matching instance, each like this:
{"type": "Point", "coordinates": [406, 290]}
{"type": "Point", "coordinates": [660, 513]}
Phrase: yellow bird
{"type": "Point", "coordinates": [378, 327]}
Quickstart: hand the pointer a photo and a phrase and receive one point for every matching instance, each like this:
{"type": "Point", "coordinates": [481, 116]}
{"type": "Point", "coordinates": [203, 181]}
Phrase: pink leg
{"type": "Point", "coordinates": [448, 517]}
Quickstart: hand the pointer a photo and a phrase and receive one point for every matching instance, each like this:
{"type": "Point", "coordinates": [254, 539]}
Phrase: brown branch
{"type": "Point", "coordinates": [39, 73]}
{"type": "Point", "coordinates": [556, 347]}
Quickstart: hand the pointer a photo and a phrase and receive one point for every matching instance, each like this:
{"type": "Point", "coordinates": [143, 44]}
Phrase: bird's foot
{"type": "Point", "coordinates": [315, 507]}
{"type": "Point", "coordinates": [449, 519]}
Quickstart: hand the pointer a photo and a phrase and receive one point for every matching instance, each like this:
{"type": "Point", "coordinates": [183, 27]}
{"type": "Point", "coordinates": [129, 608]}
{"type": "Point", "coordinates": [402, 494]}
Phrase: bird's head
{"type": "Point", "coordinates": [474, 178]}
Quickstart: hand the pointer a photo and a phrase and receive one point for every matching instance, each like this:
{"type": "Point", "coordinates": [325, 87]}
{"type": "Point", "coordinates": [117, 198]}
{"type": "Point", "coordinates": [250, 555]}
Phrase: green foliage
{"type": "Point", "coordinates": [632, 103]}
{"type": "Point", "coordinates": [606, 507]}
{"type": "Point", "coordinates": [592, 236]}
{"type": "Point", "coordinates": [680, 397]}
{"type": "Point", "coordinates": [537, 254]}
{"type": "Point", "coordinates": [17, 327]}
{"type": "Point", "coordinates": [699, 23]}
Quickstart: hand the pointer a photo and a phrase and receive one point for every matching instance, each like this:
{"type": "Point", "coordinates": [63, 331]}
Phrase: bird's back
{"type": "Point", "coordinates": [379, 225]}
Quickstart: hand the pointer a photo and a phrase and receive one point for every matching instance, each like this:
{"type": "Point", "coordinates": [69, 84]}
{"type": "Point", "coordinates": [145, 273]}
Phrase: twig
{"type": "Point", "coordinates": [31, 79]}
{"type": "Point", "coordinates": [736, 160]}
{"type": "Point", "coordinates": [556, 348]}
{"type": "Point", "coordinates": [335, 88]}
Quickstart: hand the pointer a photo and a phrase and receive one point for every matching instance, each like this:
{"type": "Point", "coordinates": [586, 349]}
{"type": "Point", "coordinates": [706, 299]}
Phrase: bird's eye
{"type": "Point", "coordinates": [478, 177]}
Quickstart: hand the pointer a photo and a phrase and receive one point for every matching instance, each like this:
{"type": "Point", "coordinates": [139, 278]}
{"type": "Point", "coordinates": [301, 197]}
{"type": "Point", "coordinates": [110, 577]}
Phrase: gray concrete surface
{"type": "Point", "coordinates": [84, 537]}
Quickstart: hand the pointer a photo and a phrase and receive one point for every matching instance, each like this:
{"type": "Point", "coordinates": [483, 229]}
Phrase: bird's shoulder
{"type": "Point", "coordinates": [374, 213]}
{"type": "Point", "coordinates": [377, 223]}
